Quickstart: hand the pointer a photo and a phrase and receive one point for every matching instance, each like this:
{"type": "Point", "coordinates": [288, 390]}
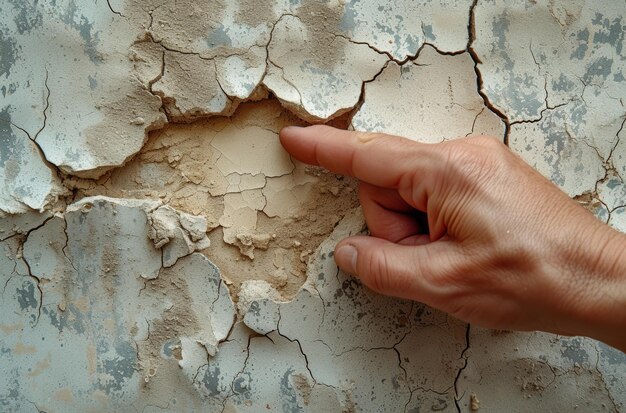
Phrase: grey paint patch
{"type": "Point", "coordinates": [28, 16]}
{"type": "Point", "coordinates": [563, 84]}
{"type": "Point", "coordinates": [72, 318]}
{"type": "Point", "coordinates": [581, 51]}
{"type": "Point", "coordinates": [611, 32]}
{"type": "Point", "coordinates": [428, 32]}
{"type": "Point", "coordinates": [348, 20]}
{"type": "Point", "coordinates": [499, 29]}
{"type": "Point", "coordinates": [601, 67]}
{"type": "Point", "coordinates": [132, 317]}
{"type": "Point", "coordinates": [573, 351]}
{"type": "Point", "coordinates": [93, 83]}
{"type": "Point", "coordinates": [8, 53]}
{"type": "Point", "coordinates": [7, 138]}
{"type": "Point", "coordinates": [118, 369]}
{"type": "Point", "coordinates": [219, 37]}
{"type": "Point", "coordinates": [74, 19]}
{"type": "Point", "coordinates": [612, 356]}
{"type": "Point", "coordinates": [27, 296]}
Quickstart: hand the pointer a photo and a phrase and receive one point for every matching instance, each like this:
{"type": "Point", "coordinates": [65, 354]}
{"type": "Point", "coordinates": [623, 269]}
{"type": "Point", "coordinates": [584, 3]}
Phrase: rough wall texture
{"type": "Point", "coordinates": [161, 252]}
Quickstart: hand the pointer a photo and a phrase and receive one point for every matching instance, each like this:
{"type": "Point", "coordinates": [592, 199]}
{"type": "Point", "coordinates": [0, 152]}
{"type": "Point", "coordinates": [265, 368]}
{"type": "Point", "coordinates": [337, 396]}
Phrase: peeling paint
{"type": "Point", "coordinates": [159, 251]}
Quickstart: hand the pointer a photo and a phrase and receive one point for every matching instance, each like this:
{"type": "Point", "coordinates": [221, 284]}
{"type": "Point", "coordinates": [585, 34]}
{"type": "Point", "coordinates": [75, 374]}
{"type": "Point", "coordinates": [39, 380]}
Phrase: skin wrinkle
{"type": "Point", "coordinates": [463, 197]}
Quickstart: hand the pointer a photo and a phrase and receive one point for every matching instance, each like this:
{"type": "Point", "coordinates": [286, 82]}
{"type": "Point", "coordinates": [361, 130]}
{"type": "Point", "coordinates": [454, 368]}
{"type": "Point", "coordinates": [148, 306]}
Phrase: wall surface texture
{"type": "Point", "coordinates": [160, 252]}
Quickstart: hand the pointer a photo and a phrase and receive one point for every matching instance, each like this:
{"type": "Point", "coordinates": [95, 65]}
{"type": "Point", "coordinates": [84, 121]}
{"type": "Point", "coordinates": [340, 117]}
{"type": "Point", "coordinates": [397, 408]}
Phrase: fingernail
{"type": "Point", "coordinates": [346, 256]}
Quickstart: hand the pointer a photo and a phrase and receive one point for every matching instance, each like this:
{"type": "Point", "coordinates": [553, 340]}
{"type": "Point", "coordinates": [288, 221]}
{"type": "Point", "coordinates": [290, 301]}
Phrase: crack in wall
{"type": "Point", "coordinates": [540, 118]}
{"type": "Point", "coordinates": [108, 180]}
{"type": "Point", "coordinates": [465, 357]}
{"type": "Point", "coordinates": [113, 11]}
{"type": "Point", "coordinates": [479, 79]}
{"type": "Point", "coordinates": [603, 380]}
{"type": "Point", "coordinates": [37, 283]}
{"type": "Point", "coordinates": [45, 109]}
{"type": "Point", "coordinates": [354, 109]}
{"type": "Point", "coordinates": [610, 171]}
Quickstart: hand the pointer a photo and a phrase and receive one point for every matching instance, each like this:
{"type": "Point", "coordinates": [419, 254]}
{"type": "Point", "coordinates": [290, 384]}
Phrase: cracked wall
{"type": "Point", "coordinates": [161, 252]}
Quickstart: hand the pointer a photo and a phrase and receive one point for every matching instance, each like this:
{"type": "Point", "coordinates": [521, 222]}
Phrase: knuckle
{"type": "Point", "coordinates": [365, 192]}
{"type": "Point", "coordinates": [448, 275]}
{"type": "Point", "coordinates": [366, 137]}
{"type": "Point", "coordinates": [380, 276]}
{"type": "Point", "coordinates": [472, 163]}
{"type": "Point", "coordinates": [488, 141]}
{"type": "Point", "coordinates": [455, 272]}
{"type": "Point", "coordinates": [380, 138]}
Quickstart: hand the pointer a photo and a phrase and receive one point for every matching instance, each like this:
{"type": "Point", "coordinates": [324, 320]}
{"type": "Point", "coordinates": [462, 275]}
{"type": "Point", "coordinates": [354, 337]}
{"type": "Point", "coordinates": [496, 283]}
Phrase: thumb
{"type": "Point", "coordinates": [393, 269]}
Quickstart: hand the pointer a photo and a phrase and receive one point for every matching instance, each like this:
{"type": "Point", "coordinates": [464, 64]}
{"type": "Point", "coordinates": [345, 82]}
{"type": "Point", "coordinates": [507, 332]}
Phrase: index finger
{"type": "Point", "coordinates": [377, 159]}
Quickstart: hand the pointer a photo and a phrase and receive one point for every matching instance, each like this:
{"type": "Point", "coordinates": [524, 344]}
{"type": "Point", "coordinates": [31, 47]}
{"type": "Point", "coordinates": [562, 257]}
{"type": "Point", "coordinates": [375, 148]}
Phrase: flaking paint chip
{"type": "Point", "coordinates": [145, 189]}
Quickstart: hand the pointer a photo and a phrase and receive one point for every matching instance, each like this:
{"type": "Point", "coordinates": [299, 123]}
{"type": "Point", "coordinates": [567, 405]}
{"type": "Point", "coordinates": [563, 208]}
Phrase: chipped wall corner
{"type": "Point", "coordinates": [160, 252]}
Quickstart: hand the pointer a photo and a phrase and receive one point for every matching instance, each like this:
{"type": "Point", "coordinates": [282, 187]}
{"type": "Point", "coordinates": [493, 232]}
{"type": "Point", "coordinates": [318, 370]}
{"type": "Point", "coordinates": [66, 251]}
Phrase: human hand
{"type": "Point", "coordinates": [467, 227]}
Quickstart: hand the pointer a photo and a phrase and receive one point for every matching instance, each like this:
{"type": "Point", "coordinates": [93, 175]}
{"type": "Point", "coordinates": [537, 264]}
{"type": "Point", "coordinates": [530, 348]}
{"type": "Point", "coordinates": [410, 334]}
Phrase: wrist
{"type": "Point", "coordinates": [599, 271]}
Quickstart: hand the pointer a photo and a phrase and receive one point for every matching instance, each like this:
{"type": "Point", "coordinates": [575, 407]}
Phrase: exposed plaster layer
{"type": "Point", "coordinates": [138, 334]}
{"type": "Point", "coordinates": [271, 211]}
{"type": "Point", "coordinates": [407, 100]}
{"type": "Point", "coordinates": [108, 306]}
{"type": "Point", "coordinates": [189, 86]}
{"type": "Point", "coordinates": [355, 335]}
{"type": "Point", "coordinates": [314, 56]}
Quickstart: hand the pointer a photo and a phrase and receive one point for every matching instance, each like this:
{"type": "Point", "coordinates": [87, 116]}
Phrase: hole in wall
{"type": "Point", "coordinates": [268, 213]}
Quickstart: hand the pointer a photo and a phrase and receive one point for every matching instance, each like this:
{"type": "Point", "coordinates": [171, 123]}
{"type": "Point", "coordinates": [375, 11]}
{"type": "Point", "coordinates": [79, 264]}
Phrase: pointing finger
{"type": "Point", "coordinates": [378, 159]}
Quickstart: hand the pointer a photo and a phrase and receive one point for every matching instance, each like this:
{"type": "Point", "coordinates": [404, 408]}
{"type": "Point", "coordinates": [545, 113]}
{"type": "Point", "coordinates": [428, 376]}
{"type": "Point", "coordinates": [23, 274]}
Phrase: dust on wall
{"type": "Point", "coordinates": [161, 252]}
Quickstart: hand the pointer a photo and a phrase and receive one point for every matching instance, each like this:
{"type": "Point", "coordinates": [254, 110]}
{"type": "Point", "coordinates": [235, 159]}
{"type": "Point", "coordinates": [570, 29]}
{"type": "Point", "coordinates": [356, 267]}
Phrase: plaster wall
{"type": "Point", "coordinates": [160, 252]}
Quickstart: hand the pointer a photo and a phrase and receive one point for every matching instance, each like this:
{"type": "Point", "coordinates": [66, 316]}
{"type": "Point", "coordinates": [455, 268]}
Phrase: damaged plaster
{"type": "Point", "coordinates": [159, 251]}
{"type": "Point", "coordinates": [567, 112]}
